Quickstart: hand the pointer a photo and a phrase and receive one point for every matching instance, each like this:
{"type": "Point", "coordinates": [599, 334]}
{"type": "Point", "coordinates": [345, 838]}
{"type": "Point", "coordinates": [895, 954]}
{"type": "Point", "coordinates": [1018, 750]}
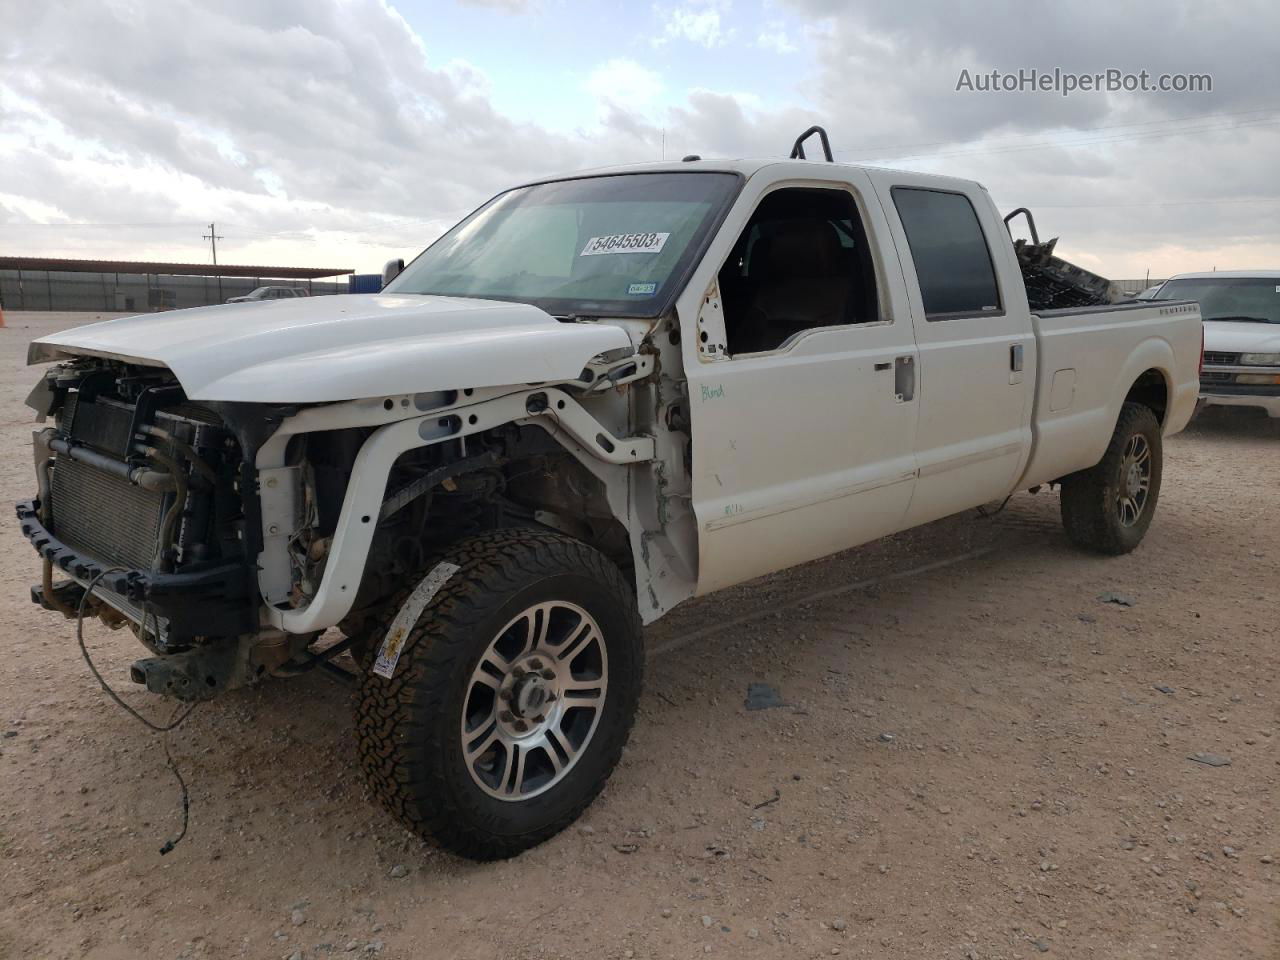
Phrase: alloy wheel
{"type": "Point", "coordinates": [534, 700]}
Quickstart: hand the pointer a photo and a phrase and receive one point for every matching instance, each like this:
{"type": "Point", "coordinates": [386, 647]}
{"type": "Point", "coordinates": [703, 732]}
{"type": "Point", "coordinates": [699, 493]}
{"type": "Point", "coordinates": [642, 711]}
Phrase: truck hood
{"type": "Point", "coordinates": [1229, 336]}
{"type": "Point", "coordinates": [348, 347]}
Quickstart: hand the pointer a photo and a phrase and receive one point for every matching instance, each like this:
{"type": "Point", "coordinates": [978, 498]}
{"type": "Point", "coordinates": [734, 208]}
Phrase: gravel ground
{"type": "Point", "coordinates": [979, 758]}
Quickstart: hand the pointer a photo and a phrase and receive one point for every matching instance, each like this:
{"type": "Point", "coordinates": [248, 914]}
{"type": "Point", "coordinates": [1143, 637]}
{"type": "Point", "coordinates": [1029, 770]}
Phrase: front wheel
{"type": "Point", "coordinates": [1108, 507]}
{"type": "Point", "coordinates": [502, 691]}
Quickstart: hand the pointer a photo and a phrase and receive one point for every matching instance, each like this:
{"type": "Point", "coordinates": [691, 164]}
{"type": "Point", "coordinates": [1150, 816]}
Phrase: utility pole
{"type": "Point", "coordinates": [213, 238]}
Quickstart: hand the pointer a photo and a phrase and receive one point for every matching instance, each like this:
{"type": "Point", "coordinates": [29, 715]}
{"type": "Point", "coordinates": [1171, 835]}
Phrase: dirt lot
{"type": "Point", "coordinates": [979, 758]}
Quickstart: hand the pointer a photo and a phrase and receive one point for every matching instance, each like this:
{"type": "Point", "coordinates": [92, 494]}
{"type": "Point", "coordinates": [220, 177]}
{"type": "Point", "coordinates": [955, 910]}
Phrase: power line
{"type": "Point", "coordinates": [213, 238]}
{"type": "Point", "coordinates": [884, 151]}
{"type": "Point", "coordinates": [1153, 203]}
{"type": "Point", "coordinates": [1061, 144]}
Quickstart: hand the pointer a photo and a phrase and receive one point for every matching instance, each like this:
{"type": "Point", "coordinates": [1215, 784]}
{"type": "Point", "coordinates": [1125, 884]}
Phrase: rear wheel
{"type": "Point", "coordinates": [1109, 507]}
{"type": "Point", "coordinates": [502, 692]}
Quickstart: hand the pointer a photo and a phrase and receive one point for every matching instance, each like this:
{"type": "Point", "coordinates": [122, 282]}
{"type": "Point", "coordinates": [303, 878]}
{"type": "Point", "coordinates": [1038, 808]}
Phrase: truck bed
{"type": "Point", "coordinates": [1087, 358]}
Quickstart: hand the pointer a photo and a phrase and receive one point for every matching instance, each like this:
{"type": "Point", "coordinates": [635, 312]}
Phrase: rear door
{"type": "Point", "coordinates": [801, 378]}
{"type": "Point", "coordinates": [977, 347]}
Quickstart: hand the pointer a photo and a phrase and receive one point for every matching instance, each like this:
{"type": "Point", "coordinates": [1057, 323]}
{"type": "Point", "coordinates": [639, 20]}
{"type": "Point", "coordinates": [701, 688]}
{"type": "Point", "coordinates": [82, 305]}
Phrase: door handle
{"type": "Point", "coordinates": [904, 379]}
{"type": "Point", "coordinates": [1015, 363]}
{"type": "Point", "coordinates": [883, 366]}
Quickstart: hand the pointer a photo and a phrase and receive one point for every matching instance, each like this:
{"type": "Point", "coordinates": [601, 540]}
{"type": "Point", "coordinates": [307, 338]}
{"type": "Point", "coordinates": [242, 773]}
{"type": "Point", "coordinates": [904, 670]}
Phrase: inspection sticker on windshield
{"type": "Point", "coordinates": [642, 289]}
{"type": "Point", "coordinates": [625, 243]}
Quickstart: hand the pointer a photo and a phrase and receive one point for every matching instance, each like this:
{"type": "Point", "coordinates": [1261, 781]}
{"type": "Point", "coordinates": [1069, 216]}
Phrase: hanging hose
{"type": "Point", "coordinates": [170, 522]}
{"type": "Point", "coordinates": [201, 467]}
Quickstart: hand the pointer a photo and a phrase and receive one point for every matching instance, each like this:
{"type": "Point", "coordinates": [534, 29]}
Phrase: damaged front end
{"type": "Point", "coordinates": [147, 504]}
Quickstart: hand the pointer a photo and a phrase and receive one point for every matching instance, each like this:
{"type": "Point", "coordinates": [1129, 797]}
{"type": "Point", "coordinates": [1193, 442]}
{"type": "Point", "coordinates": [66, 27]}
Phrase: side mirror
{"type": "Point", "coordinates": [390, 270]}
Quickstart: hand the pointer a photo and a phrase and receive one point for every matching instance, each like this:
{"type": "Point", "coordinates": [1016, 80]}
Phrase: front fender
{"type": "Point", "coordinates": [548, 407]}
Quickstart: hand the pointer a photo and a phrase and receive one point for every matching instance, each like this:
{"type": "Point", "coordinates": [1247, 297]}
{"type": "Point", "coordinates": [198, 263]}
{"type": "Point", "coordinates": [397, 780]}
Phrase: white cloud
{"type": "Point", "coordinates": [320, 131]}
{"type": "Point", "coordinates": [505, 6]}
{"type": "Point", "coordinates": [624, 83]}
{"type": "Point", "coordinates": [774, 37]}
{"type": "Point", "coordinates": [321, 117]}
{"type": "Point", "coordinates": [1129, 198]}
{"type": "Point", "coordinates": [698, 21]}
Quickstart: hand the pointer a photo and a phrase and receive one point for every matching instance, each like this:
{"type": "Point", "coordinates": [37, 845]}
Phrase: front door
{"type": "Point", "coordinates": [802, 383]}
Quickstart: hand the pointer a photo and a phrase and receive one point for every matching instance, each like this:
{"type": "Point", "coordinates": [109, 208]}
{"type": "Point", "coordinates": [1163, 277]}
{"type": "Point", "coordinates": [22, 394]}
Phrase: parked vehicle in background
{"type": "Point", "coordinates": [1241, 312]}
{"type": "Point", "coordinates": [270, 293]}
{"type": "Point", "coordinates": [593, 399]}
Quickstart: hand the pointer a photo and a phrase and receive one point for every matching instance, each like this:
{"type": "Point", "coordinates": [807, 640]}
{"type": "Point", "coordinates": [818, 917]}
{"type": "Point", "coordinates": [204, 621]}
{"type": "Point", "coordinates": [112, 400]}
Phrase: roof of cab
{"type": "Point", "coordinates": [1230, 274]}
{"type": "Point", "coordinates": [746, 167]}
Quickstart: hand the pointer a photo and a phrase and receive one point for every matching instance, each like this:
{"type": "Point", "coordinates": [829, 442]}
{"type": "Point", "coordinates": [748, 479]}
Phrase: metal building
{"type": "Point", "coordinates": [48, 283]}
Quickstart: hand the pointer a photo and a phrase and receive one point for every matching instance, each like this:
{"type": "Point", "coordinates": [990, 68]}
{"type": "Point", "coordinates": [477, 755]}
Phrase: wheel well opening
{"type": "Point", "coordinates": [508, 477]}
{"type": "Point", "coordinates": [1152, 391]}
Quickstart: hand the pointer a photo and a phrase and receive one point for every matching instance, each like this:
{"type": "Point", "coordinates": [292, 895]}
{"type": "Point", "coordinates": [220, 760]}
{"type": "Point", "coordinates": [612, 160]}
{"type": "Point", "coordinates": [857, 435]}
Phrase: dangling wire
{"type": "Point", "coordinates": [984, 512]}
{"type": "Point", "coordinates": [179, 714]}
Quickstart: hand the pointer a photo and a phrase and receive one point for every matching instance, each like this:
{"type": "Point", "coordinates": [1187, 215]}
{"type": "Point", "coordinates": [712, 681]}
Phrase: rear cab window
{"type": "Point", "coordinates": [953, 262]}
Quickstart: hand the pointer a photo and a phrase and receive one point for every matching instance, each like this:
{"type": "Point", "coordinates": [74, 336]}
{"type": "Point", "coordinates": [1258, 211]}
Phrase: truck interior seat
{"type": "Point", "coordinates": [797, 279]}
{"type": "Point", "coordinates": [802, 261]}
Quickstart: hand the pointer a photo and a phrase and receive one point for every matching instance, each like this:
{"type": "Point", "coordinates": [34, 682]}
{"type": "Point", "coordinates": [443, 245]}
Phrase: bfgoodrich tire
{"type": "Point", "coordinates": [502, 692]}
{"type": "Point", "coordinates": [1109, 507]}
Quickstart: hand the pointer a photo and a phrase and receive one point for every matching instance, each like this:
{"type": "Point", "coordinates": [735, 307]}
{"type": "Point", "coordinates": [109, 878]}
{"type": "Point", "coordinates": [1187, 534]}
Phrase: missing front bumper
{"type": "Point", "coordinates": [217, 601]}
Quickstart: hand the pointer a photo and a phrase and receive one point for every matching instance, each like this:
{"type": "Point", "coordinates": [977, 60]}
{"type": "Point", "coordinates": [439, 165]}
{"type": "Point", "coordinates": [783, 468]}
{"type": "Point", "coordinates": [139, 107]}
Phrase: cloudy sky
{"type": "Point", "coordinates": [344, 132]}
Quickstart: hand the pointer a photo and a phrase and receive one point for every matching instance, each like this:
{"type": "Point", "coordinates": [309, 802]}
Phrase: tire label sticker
{"type": "Point", "coordinates": [625, 243]}
{"type": "Point", "coordinates": [393, 643]}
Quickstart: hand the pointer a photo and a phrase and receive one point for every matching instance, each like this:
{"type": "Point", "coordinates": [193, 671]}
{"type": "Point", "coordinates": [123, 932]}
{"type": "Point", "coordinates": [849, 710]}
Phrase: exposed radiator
{"type": "Point", "coordinates": [103, 424]}
{"type": "Point", "coordinates": [104, 516]}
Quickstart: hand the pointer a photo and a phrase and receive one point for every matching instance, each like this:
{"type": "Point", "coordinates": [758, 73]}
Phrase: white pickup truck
{"type": "Point", "coordinates": [594, 398]}
{"type": "Point", "coordinates": [1241, 310]}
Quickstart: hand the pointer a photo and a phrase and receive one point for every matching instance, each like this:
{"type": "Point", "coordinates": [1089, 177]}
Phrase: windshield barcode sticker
{"type": "Point", "coordinates": [625, 243]}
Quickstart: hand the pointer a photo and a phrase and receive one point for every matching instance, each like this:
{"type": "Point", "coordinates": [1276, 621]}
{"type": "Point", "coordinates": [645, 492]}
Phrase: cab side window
{"type": "Point", "coordinates": [953, 263]}
{"type": "Point", "coordinates": [801, 262]}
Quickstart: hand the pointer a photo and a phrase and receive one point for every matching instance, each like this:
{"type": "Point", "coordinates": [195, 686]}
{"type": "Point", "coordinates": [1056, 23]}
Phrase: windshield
{"type": "Point", "coordinates": [1250, 299]}
{"type": "Point", "coordinates": [616, 246]}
